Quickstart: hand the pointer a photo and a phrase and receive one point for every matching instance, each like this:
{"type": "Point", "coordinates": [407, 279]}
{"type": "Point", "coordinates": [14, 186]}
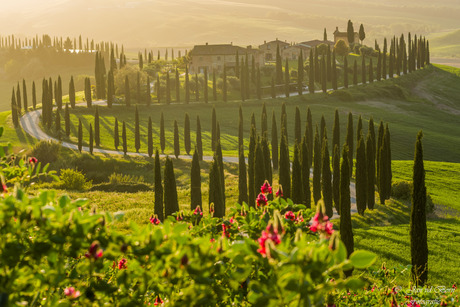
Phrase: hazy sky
{"type": "Point", "coordinates": [150, 23]}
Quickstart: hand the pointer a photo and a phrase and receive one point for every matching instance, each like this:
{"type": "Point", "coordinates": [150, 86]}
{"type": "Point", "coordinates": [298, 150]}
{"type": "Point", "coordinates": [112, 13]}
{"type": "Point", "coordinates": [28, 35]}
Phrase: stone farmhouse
{"type": "Point", "coordinates": [216, 57]}
{"type": "Point", "coordinates": [269, 49]}
{"type": "Point", "coordinates": [344, 36]}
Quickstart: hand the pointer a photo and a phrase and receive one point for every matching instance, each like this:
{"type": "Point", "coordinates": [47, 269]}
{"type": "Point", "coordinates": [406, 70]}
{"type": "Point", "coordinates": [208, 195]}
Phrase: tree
{"type": "Point", "coordinates": [158, 209]}
{"type": "Point", "coordinates": [311, 75]}
{"type": "Point", "coordinates": [363, 70]}
{"type": "Point", "coordinates": [242, 179]}
{"type": "Point", "coordinates": [162, 134]}
{"type": "Point", "coordinates": [34, 95]}
{"type": "Point", "coordinates": [90, 139]}
{"type": "Point", "coordinates": [297, 186]}
{"type": "Point", "coordinates": [213, 129]}
{"type": "Point", "coordinates": [259, 167]}
{"type": "Point", "coordinates": [88, 97]}
{"type": "Point", "coordinates": [123, 138]}
{"type": "Point", "coordinates": [371, 71]}
{"type": "Point", "coordinates": [279, 66]}
{"type": "Point", "coordinates": [334, 72]}
{"type": "Point", "coordinates": [214, 85]}
{"type": "Point", "coordinates": [197, 88]}
{"type": "Point", "coordinates": [323, 75]}
{"type": "Point", "coordinates": [346, 231]}
{"type": "Point", "coordinates": [328, 64]}
{"type": "Point", "coordinates": [362, 34]}
{"type": "Point", "coordinates": [58, 94]}
{"type": "Point", "coordinates": [24, 92]}
{"type": "Point", "coordinates": [237, 64]}
{"type": "Point", "coordinates": [274, 142]}
{"type": "Point", "coordinates": [14, 110]}
{"type": "Point", "coordinates": [350, 33]}
{"type": "Point", "coordinates": [57, 125]}
{"type": "Point", "coordinates": [317, 168]}
{"type": "Point", "coordinates": [300, 73]}
{"type": "Point", "coordinates": [341, 48]}
{"type": "Point", "coordinates": [176, 140]}
{"type": "Point", "coordinates": [219, 159]}
{"type": "Point", "coordinates": [336, 130]}
{"type": "Point", "coordinates": [149, 138]}
{"type": "Point", "coordinates": [379, 144]}
{"type": "Point", "coordinates": [325, 35]}
{"type": "Point", "coordinates": [345, 72]}
{"type": "Point", "coordinates": [224, 85]}
{"type": "Point", "coordinates": [18, 98]}
{"type": "Point", "coordinates": [418, 228]}
{"type": "Point", "coordinates": [349, 143]}
{"type": "Point", "coordinates": [177, 80]}
{"type": "Point", "coordinates": [297, 125]}
{"type": "Point", "coordinates": [309, 136]}
{"type": "Point", "coordinates": [267, 160]}
{"type": "Point", "coordinates": [187, 142]}
{"type": "Point", "coordinates": [355, 73]}
{"type": "Point", "coordinates": [336, 178]}
{"type": "Point", "coordinates": [205, 92]}
{"type": "Point", "coordinates": [384, 59]}
{"type": "Point", "coordinates": [195, 182]}
{"type": "Point", "coordinates": [215, 189]}
{"type": "Point", "coordinates": [110, 89]}
{"type": "Point", "coordinates": [361, 176]}
{"type": "Point", "coordinates": [168, 88]}
{"type": "Point", "coordinates": [198, 141]}
{"type": "Point", "coordinates": [71, 92]}
{"type": "Point", "coordinates": [284, 167]}
{"type": "Point", "coordinates": [272, 88]}
{"type": "Point", "coordinates": [128, 92]}
{"type": "Point", "coordinates": [170, 189]}
{"type": "Point", "coordinates": [148, 98]}
{"type": "Point", "coordinates": [80, 136]}
{"type": "Point", "coordinates": [97, 138]}
{"type": "Point", "coordinates": [326, 178]}
{"type": "Point", "coordinates": [137, 136]}
{"type": "Point", "coordinates": [158, 89]}
{"type": "Point", "coordinates": [359, 128]}
{"type": "Point", "coordinates": [251, 155]}
{"type": "Point", "coordinates": [287, 80]}
{"type": "Point", "coordinates": [305, 165]}
{"type": "Point", "coordinates": [370, 167]}
{"type": "Point", "coordinates": [322, 131]}
{"type": "Point", "coordinates": [258, 84]}
{"type": "Point", "coordinates": [240, 128]}
{"type": "Point", "coordinates": [67, 120]}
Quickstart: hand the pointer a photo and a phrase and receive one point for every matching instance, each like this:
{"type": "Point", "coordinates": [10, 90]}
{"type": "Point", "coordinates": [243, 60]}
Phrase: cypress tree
{"type": "Point", "coordinates": [323, 75]}
{"type": "Point", "coordinates": [162, 134]}
{"type": "Point", "coordinates": [322, 131]}
{"type": "Point", "coordinates": [274, 142]}
{"type": "Point", "coordinates": [224, 85]}
{"type": "Point", "coordinates": [116, 137]}
{"type": "Point", "coordinates": [197, 89]}
{"type": "Point", "coordinates": [263, 121]}
{"type": "Point", "coordinates": [110, 89]}
{"type": "Point", "coordinates": [328, 65]}
{"type": "Point", "coordinates": [379, 67]}
{"type": "Point", "coordinates": [326, 178]}
{"type": "Point", "coordinates": [384, 60]}
{"type": "Point", "coordinates": [418, 228]}
{"type": "Point", "coordinates": [219, 159]}
{"type": "Point", "coordinates": [259, 167]}
{"type": "Point", "coordinates": [317, 168]}
{"type": "Point", "coordinates": [90, 139]}
{"type": "Point", "coordinates": [349, 143]}
{"type": "Point", "coordinates": [240, 128]}
{"type": "Point", "coordinates": [317, 66]}
{"type": "Point", "coordinates": [168, 88]}
{"type": "Point", "coordinates": [311, 75]}
{"type": "Point", "coordinates": [80, 136]}
{"type": "Point", "coordinates": [187, 141]}
{"type": "Point", "coordinates": [284, 122]}
{"type": "Point", "coordinates": [24, 92]}
{"type": "Point", "coordinates": [285, 167]}
{"type": "Point", "coordinates": [18, 98]}
{"type": "Point", "coordinates": [243, 84]}
{"type": "Point", "coordinates": [170, 190]}
{"type": "Point", "coordinates": [176, 140]}
{"type": "Point", "coordinates": [391, 63]}
{"type": "Point", "coordinates": [214, 85]}
{"type": "Point", "coordinates": [158, 89]}
{"type": "Point", "coordinates": [242, 179]}
{"type": "Point", "coordinates": [97, 138]}
{"type": "Point", "coordinates": [158, 209]}
{"type": "Point", "coordinates": [297, 186]}
{"type": "Point", "coordinates": [58, 96]}
{"type": "Point", "coordinates": [177, 80]}
{"type": "Point", "coordinates": [123, 138]}
{"type": "Point", "coordinates": [287, 80]}
{"type": "Point", "coordinates": [251, 155]}
{"type": "Point", "coordinates": [14, 110]}
{"type": "Point", "coordinates": [361, 176]}
{"type": "Point", "coordinates": [195, 182]}
{"type": "Point", "coordinates": [305, 165]}
{"type": "Point", "coordinates": [359, 128]}
{"type": "Point", "coordinates": [273, 90]}
{"type": "Point", "coordinates": [297, 124]}
{"type": "Point", "coordinates": [388, 172]}
{"type": "Point", "coordinates": [137, 136]}
{"type": "Point", "coordinates": [67, 120]}
{"type": "Point", "coordinates": [34, 95]}
{"type": "Point", "coordinates": [215, 189]}
{"type": "Point", "coordinates": [88, 96]}
{"type": "Point", "coordinates": [198, 140]}
{"type": "Point", "coordinates": [267, 160]}
{"type": "Point", "coordinates": [150, 138]}
{"type": "Point", "coordinates": [334, 72]}
{"type": "Point", "coordinates": [258, 84]}
{"type": "Point", "coordinates": [309, 136]}
{"type": "Point", "coordinates": [363, 70]}
{"type": "Point", "coordinates": [213, 129]}
{"type": "Point", "coordinates": [300, 74]}
{"type": "Point", "coordinates": [279, 66]}
{"type": "Point", "coordinates": [370, 166]}
{"type": "Point", "coordinates": [336, 130]}
{"type": "Point", "coordinates": [350, 33]}
{"type": "Point", "coordinates": [336, 178]}
{"type": "Point", "coordinates": [345, 72]}
{"type": "Point", "coordinates": [371, 71]}
{"type": "Point", "coordinates": [355, 74]}
{"type": "Point", "coordinates": [71, 93]}
{"type": "Point", "coordinates": [346, 231]}
{"type": "Point", "coordinates": [128, 92]}
{"type": "Point", "coordinates": [205, 91]}
{"type": "Point", "coordinates": [57, 124]}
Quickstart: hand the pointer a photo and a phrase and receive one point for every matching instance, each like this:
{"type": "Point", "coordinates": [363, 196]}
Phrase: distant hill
{"type": "Point", "coordinates": [446, 45]}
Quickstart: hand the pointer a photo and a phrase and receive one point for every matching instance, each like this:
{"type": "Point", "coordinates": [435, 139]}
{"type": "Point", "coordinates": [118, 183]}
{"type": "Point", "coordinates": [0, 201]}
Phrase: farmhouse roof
{"type": "Point", "coordinates": [337, 32]}
{"type": "Point", "coordinates": [276, 41]}
{"type": "Point", "coordinates": [316, 42]}
{"type": "Point", "coordinates": [220, 49]}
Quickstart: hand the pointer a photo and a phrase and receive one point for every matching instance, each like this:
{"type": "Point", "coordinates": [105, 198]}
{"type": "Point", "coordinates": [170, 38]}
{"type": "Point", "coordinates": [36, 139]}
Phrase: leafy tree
{"type": "Point", "coordinates": [297, 186]}
{"type": "Point", "coordinates": [274, 142]}
{"type": "Point", "coordinates": [176, 140]}
{"type": "Point", "coordinates": [418, 228]}
{"type": "Point", "coordinates": [162, 133]}
{"type": "Point", "coordinates": [97, 138]}
{"type": "Point", "coordinates": [171, 203]}
{"type": "Point", "coordinates": [326, 178]}
{"type": "Point", "coordinates": [346, 231]}
{"type": "Point", "coordinates": [336, 178]}
{"type": "Point", "coordinates": [317, 168]}
{"type": "Point", "coordinates": [67, 120]}
{"type": "Point", "coordinates": [187, 142]}
{"type": "Point", "coordinates": [305, 166]}
{"type": "Point", "coordinates": [198, 141]}
{"type": "Point", "coordinates": [361, 176]}
{"type": "Point", "coordinates": [242, 178]}
{"type": "Point", "coordinates": [195, 182]}
{"type": "Point", "coordinates": [80, 136]}
{"type": "Point", "coordinates": [349, 143]}
{"type": "Point", "coordinates": [284, 167]}
{"type": "Point", "coordinates": [123, 138]}
{"type": "Point", "coordinates": [149, 138]}
{"type": "Point", "coordinates": [158, 208]}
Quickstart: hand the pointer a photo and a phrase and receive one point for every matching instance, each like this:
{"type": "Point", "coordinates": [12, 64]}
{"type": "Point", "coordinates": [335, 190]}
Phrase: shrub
{"type": "Point", "coordinates": [122, 187]}
{"type": "Point", "coordinates": [73, 180]}
{"type": "Point", "coordinates": [267, 70]}
{"type": "Point", "coordinates": [46, 151]}
{"type": "Point", "coordinates": [120, 178]}
{"type": "Point", "coordinates": [234, 82]}
{"type": "Point", "coordinates": [366, 51]}
{"type": "Point", "coordinates": [402, 189]}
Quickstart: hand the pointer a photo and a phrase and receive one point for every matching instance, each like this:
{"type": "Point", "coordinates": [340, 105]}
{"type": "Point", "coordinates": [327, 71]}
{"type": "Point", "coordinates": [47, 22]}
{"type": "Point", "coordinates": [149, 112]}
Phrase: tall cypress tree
{"type": "Point", "coordinates": [377, 151]}
{"type": "Point", "coordinates": [336, 178]}
{"type": "Point", "coordinates": [379, 66]}
{"type": "Point", "coordinates": [162, 133]}
{"type": "Point", "coordinates": [388, 171]}
{"type": "Point", "coordinates": [309, 135]}
{"type": "Point", "coordinates": [224, 85]}
{"type": "Point", "coordinates": [205, 91]}
{"type": "Point", "coordinates": [123, 138]}
{"type": "Point", "coordinates": [148, 97]}
{"type": "Point", "coordinates": [128, 92]}
{"type": "Point", "coordinates": [187, 141]}
{"type": "Point", "coordinates": [322, 131]}
{"type": "Point", "coordinates": [198, 140]}
{"type": "Point", "coordinates": [168, 88]}
{"type": "Point", "coordinates": [137, 134]}
{"type": "Point", "coordinates": [274, 142]}
{"type": "Point", "coordinates": [72, 93]}
{"type": "Point", "coordinates": [58, 94]}
{"type": "Point", "coordinates": [329, 65]}
{"type": "Point", "coordinates": [258, 84]}
{"type": "Point", "coordinates": [214, 85]}
{"type": "Point", "coordinates": [67, 120]}
{"type": "Point", "coordinates": [285, 167]}
{"type": "Point", "coordinates": [170, 189]}
{"type": "Point", "coordinates": [251, 154]}
{"type": "Point", "coordinates": [158, 89]}
{"type": "Point", "coordinates": [177, 80]}
{"type": "Point", "coordinates": [259, 167]}
{"type": "Point", "coordinates": [14, 110]}
{"type": "Point", "coordinates": [349, 143]}
{"type": "Point", "coordinates": [91, 139]}
{"type": "Point", "coordinates": [346, 231]}
{"type": "Point", "coordinates": [24, 92]}
{"type": "Point", "coordinates": [273, 89]}
{"type": "Point", "coordinates": [80, 136]}
{"type": "Point", "coordinates": [287, 80]}
{"type": "Point", "coordinates": [97, 138]}
{"type": "Point", "coordinates": [240, 128]}
{"type": "Point", "coordinates": [371, 71]}
{"type": "Point", "coordinates": [326, 178]}
{"type": "Point", "coordinates": [305, 165]}
{"type": "Point", "coordinates": [176, 140]}
{"type": "Point", "coordinates": [215, 189]}
{"type": "Point", "coordinates": [323, 75]}
{"type": "Point", "coordinates": [300, 72]}
{"type": "Point", "coordinates": [34, 95]}
{"type": "Point", "coordinates": [213, 129]}
{"type": "Point", "coordinates": [334, 72]}
{"type": "Point", "coordinates": [197, 88]}
{"type": "Point", "coordinates": [158, 209]}
{"type": "Point", "coordinates": [110, 89]}
{"type": "Point", "coordinates": [317, 168]}
{"type": "Point", "coordinates": [116, 137]}
{"type": "Point", "coordinates": [363, 70]}
{"type": "Point", "coordinates": [345, 72]}
{"type": "Point", "coordinates": [267, 159]}
{"type": "Point", "coordinates": [57, 124]}
{"type": "Point", "coordinates": [311, 75]}
{"type": "Point", "coordinates": [279, 66]}
{"type": "Point", "coordinates": [297, 125]}
{"type": "Point", "coordinates": [384, 59]}
{"type": "Point", "coordinates": [150, 138]}
{"type": "Point", "coordinates": [195, 182]}
{"type": "Point", "coordinates": [297, 186]}
{"type": "Point", "coordinates": [18, 98]}
{"type": "Point", "coordinates": [336, 130]}
{"type": "Point", "coordinates": [370, 167]}
{"type": "Point", "coordinates": [361, 176]}
{"type": "Point", "coordinates": [284, 122]}
{"type": "Point", "coordinates": [418, 228]}
{"type": "Point", "coordinates": [242, 178]}
{"type": "Point", "coordinates": [359, 128]}
{"type": "Point", "coordinates": [88, 97]}
{"type": "Point", "coordinates": [355, 73]}
{"type": "Point", "coordinates": [219, 159]}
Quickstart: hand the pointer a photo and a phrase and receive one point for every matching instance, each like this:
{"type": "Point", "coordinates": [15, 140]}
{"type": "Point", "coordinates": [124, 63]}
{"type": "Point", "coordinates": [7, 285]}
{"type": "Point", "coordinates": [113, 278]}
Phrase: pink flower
{"type": "Point", "coordinates": [224, 231]}
{"type": "Point", "coordinates": [94, 251]}
{"type": "Point", "coordinates": [158, 301]}
{"type": "Point", "coordinates": [299, 218]}
{"type": "Point", "coordinates": [154, 220]}
{"type": "Point", "coordinates": [279, 193]}
{"type": "Point", "coordinates": [261, 200]}
{"type": "Point", "coordinates": [179, 217]}
{"type": "Point", "coordinates": [266, 188]}
{"type": "Point", "coordinates": [270, 234]}
{"type": "Point", "coordinates": [289, 216]}
{"type": "Point", "coordinates": [33, 160]}
{"type": "Point", "coordinates": [212, 240]}
{"type": "Point", "coordinates": [321, 224]}
{"type": "Point", "coordinates": [4, 188]}
{"type": "Point", "coordinates": [122, 264]}
{"type": "Point", "coordinates": [232, 221]}
{"type": "Point", "coordinates": [71, 292]}
{"type": "Point", "coordinates": [197, 211]}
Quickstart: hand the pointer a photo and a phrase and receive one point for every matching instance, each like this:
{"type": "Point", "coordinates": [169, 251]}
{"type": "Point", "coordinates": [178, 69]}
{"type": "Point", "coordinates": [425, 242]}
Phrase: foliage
{"type": "Point", "coordinates": [122, 187]}
{"type": "Point", "coordinates": [341, 48]}
{"type": "Point", "coordinates": [46, 151]}
{"type": "Point", "coordinates": [73, 180]}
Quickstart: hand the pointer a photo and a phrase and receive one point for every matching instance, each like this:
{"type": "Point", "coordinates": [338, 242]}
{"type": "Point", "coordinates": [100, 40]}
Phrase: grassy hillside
{"type": "Point", "coordinates": [445, 44]}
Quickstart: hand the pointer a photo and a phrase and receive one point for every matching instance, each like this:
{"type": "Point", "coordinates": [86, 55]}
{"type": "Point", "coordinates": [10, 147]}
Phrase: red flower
{"type": "Point", "coordinates": [454, 286]}
{"type": "Point", "coordinates": [94, 251]}
{"type": "Point", "coordinates": [232, 221]}
{"type": "Point", "coordinates": [299, 218]}
{"type": "Point", "coordinates": [154, 220]}
{"type": "Point", "coordinates": [321, 224]}
{"type": "Point", "coordinates": [224, 231]}
{"type": "Point", "coordinates": [158, 301]}
{"type": "Point", "coordinates": [197, 211]}
{"type": "Point", "coordinates": [71, 292]}
{"type": "Point", "coordinates": [266, 188]}
{"type": "Point", "coordinates": [122, 264]}
{"type": "Point", "coordinates": [261, 200]}
{"type": "Point", "coordinates": [289, 216]}
{"type": "Point", "coordinates": [33, 160]}
{"type": "Point", "coordinates": [179, 217]}
{"type": "Point", "coordinates": [4, 188]}
{"type": "Point", "coordinates": [270, 234]}
{"type": "Point", "coordinates": [279, 193]}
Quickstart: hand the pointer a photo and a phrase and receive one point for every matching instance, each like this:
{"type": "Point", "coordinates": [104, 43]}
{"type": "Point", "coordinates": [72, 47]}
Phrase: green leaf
{"type": "Point", "coordinates": [362, 259]}
{"type": "Point", "coordinates": [354, 283]}
{"type": "Point", "coordinates": [341, 253]}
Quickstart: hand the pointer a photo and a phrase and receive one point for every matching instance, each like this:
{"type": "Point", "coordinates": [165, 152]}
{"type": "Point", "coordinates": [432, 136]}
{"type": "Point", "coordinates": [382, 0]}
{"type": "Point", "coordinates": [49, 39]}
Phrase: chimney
{"type": "Point", "coordinates": [249, 47]}
{"type": "Point", "coordinates": [337, 29]}
{"type": "Point", "coordinates": [206, 43]}
{"type": "Point", "coordinates": [265, 42]}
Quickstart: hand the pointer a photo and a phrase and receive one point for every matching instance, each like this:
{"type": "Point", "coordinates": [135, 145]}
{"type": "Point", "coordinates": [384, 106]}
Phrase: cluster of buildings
{"type": "Point", "coordinates": [216, 57]}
